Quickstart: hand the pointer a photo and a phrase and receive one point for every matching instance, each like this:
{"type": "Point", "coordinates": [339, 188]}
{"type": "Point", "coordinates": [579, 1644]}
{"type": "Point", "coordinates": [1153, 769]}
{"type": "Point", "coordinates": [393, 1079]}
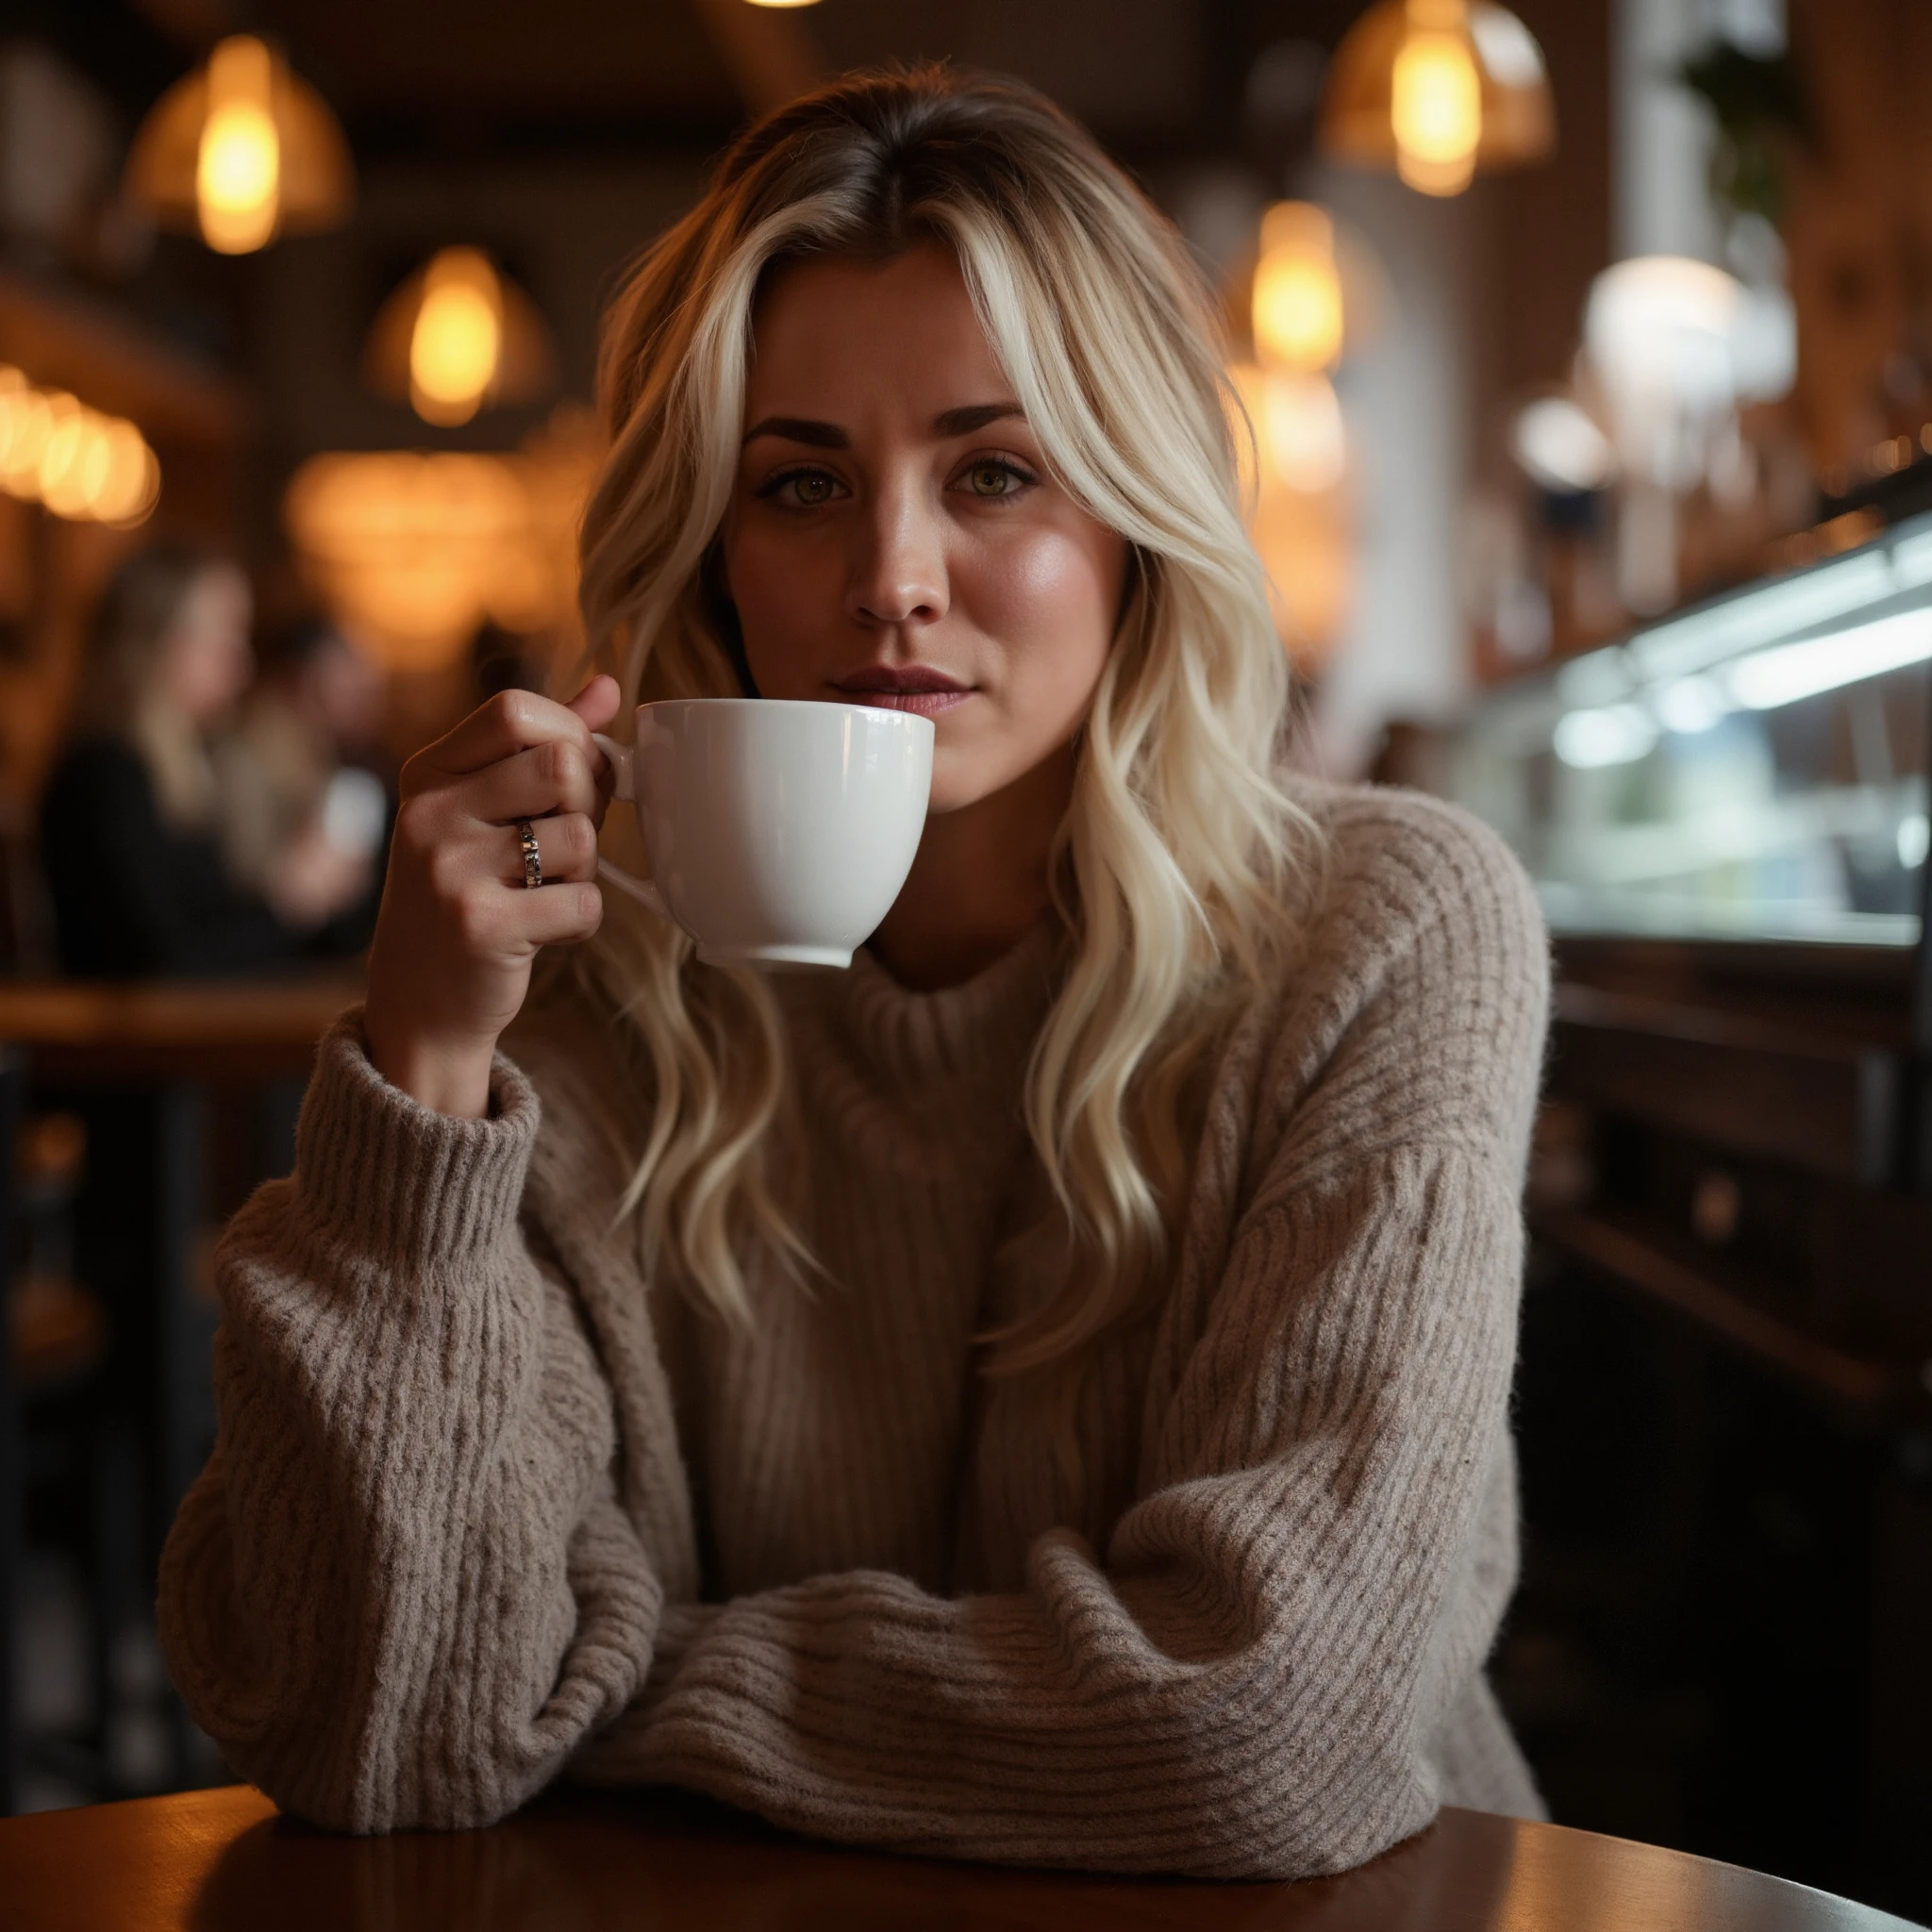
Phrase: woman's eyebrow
{"type": "Point", "coordinates": [973, 416]}
{"type": "Point", "coordinates": [807, 430]}
{"type": "Point", "coordinates": [801, 429]}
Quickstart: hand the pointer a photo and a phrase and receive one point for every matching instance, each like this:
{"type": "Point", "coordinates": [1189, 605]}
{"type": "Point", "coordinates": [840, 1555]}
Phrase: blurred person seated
{"type": "Point", "coordinates": [305, 750]}
{"type": "Point", "coordinates": [129, 821]}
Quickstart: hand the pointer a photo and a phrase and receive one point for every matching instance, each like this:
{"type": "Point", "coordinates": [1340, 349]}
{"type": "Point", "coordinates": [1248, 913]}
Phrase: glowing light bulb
{"type": "Point", "coordinates": [1436, 104]}
{"type": "Point", "coordinates": [1302, 434]}
{"type": "Point", "coordinates": [131, 480]}
{"type": "Point", "coordinates": [69, 463]}
{"type": "Point", "coordinates": [25, 421]}
{"type": "Point", "coordinates": [1297, 299]}
{"type": "Point", "coordinates": [239, 165]}
{"type": "Point", "coordinates": [456, 343]}
{"type": "Point", "coordinates": [79, 463]}
{"type": "Point", "coordinates": [59, 445]}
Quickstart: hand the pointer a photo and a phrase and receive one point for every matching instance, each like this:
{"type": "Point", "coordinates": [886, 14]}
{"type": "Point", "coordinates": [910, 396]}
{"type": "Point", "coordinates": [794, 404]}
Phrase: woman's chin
{"type": "Point", "coordinates": [956, 785]}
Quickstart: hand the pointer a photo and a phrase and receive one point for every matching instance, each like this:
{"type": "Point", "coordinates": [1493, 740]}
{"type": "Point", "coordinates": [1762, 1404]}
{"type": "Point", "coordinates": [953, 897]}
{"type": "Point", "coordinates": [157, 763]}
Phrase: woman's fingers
{"type": "Point", "coordinates": [599, 701]}
{"type": "Point", "coordinates": [512, 722]}
{"type": "Point", "coordinates": [511, 922]}
{"type": "Point", "coordinates": [557, 914]}
{"type": "Point", "coordinates": [558, 776]}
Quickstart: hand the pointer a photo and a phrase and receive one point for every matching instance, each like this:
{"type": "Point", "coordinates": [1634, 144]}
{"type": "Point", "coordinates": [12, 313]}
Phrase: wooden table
{"type": "Point", "coordinates": [173, 1030]}
{"type": "Point", "coordinates": [222, 1860]}
{"type": "Point", "coordinates": [169, 1040]}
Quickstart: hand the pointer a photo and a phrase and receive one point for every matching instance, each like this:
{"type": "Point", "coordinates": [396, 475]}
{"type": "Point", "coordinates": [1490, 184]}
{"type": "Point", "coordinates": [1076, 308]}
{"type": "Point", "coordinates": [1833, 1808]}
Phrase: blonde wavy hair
{"type": "Point", "coordinates": [1174, 867]}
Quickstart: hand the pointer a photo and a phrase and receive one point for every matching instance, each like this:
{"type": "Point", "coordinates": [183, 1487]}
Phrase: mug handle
{"type": "Point", "coordinates": [624, 787]}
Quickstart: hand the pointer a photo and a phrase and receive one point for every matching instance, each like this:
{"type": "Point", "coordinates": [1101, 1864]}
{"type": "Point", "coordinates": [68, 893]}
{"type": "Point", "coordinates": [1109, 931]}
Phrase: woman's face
{"type": "Point", "coordinates": [894, 538]}
{"type": "Point", "coordinates": [206, 660]}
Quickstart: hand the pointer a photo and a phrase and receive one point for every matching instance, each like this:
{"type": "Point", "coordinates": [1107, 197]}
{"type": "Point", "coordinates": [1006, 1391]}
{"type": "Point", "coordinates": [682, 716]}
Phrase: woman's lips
{"type": "Point", "coordinates": [903, 688]}
{"type": "Point", "coordinates": [928, 704]}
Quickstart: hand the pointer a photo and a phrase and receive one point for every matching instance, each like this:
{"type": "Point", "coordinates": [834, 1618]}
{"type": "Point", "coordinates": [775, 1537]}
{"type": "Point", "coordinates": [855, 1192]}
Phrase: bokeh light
{"type": "Point", "coordinates": [79, 463]}
{"type": "Point", "coordinates": [1297, 305]}
{"type": "Point", "coordinates": [1436, 106]}
{"type": "Point", "coordinates": [238, 168]}
{"type": "Point", "coordinates": [456, 346]}
{"type": "Point", "coordinates": [418, 549]}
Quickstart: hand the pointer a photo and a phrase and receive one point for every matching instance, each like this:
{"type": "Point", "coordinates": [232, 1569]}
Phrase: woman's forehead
{"type": "Point", "coordinates": [857, 332]}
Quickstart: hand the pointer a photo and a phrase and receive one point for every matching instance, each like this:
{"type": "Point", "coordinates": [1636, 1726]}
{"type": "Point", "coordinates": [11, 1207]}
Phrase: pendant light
{"type": "Point", "coordinates": [457, 337]}
{"type": "Point", "coordinates": [240, 152]}
{"type": "Point", "coordinates": [1437, 90]}
{"type": "Point", "coordinates": [1297, 304]}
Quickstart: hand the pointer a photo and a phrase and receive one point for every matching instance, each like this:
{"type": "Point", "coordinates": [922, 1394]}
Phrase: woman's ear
{"type": "Point", "coordinates": [720, 613]}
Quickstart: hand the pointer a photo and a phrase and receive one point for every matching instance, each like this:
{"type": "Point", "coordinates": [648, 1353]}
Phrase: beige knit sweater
{"type": "Point", "coordinates": [485, 1510]}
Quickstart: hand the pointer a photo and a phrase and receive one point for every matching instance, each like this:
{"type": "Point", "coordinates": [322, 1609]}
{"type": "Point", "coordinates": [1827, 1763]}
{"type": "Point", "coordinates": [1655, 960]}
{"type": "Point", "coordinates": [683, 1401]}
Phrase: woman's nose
{"type": "Point", "coordinates": [899, 572]}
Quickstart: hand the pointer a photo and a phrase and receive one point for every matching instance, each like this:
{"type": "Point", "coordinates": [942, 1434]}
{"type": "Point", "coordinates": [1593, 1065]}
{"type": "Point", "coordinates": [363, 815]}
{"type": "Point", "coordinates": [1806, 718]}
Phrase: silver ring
{"type": "Point", "coordinates": [533, 858]}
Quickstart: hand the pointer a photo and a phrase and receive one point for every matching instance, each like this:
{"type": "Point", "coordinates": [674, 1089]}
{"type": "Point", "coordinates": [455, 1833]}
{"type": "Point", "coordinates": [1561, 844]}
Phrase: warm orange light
{"type": "Point", "coordinates": [132, 481]}
{"type": "Point", "coordinates": [1297, 305]}
{"type": "Point", "coordinates": [456, 346]}
{"type": "Point", "coordinates": [1436, 89]}
{"type": "Point", "coordinates": [1436, 109]}
{"type": "Point", "coordinates": [239, 166]}
{"type": "Point", "coordinates": [240, 152]}
{"type": "Point", "coordinates": [418, 549]}
{"type": "Point", "coordinates": [457, 337]}
{"type": "Point", "coordinates": [1297, 512]}
{"type": "Point", "coordinates": [1302, 434]}
{"type": "Point", "coordinates": [72, 452]}
{"type": "Point", "coordinates": [79, 463]}
{"type": "Point", "coordinates": [25, 423]}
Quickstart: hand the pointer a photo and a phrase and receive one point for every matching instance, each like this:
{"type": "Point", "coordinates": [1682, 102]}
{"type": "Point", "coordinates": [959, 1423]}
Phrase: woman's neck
{"type": "Point", "coordinates": [981, 881]}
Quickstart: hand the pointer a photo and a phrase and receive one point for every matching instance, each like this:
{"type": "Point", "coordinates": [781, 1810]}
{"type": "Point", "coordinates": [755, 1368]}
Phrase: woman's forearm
{"type": "Point", "coordinates": [403, 1589]}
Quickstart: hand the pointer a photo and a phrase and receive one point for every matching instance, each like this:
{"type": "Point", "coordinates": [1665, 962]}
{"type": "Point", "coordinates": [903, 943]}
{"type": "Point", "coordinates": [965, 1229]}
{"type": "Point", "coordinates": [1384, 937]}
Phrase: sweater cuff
{"type": "Point", "coordinates": [679, 1625]}
{"type": "Point", "coordinates": [395, 1177]}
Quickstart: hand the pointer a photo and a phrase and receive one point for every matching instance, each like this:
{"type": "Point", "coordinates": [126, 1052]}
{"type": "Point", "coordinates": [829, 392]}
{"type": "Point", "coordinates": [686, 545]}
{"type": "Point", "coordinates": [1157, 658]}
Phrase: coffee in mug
{"type": "Point", "coordinates": [779, 831]}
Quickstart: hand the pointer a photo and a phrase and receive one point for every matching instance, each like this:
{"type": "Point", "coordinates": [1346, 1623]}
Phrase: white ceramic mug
{"type": "Point", "coordinates": [779, 832]}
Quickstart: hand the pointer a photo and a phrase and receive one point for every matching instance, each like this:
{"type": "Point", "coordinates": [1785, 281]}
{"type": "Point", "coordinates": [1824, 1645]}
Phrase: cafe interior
{"type": "Point", "coordinates": [1587, 351]}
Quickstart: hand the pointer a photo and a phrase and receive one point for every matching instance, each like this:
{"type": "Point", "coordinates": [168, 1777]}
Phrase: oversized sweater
{"type": "Point", "coordinates": [487, 1506]}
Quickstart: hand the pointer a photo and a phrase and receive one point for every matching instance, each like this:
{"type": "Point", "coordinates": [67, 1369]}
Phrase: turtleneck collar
{"type": "Point", "coordinates": [984, 1025]}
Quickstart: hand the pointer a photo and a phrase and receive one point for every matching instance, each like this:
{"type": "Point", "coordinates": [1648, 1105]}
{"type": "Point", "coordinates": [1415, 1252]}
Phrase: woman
{"type": "Point", "coordinates": [1037, 1396]}
{"type": "Point", "coordinates": [315, 709]}
{"type": "Point", "coordinates": [129, 838]}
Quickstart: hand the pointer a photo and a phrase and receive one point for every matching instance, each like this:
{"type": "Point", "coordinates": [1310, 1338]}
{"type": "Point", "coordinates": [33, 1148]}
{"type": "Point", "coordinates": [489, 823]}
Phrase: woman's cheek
{"type": "Point", "coordinates": [1051, 601]}
{"type": "Point", "coordinates": [1057, 584]}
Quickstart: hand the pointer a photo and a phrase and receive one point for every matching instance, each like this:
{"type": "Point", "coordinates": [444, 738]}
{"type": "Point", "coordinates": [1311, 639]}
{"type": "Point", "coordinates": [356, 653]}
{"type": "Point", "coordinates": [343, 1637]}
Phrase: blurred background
{"type": "Point", "coordinates": [1587, 351]}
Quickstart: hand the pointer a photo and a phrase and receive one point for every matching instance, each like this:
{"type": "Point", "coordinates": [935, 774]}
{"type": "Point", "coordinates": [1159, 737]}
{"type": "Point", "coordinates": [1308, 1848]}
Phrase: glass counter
{"type": "Point", "coordinates": [1753, 768]}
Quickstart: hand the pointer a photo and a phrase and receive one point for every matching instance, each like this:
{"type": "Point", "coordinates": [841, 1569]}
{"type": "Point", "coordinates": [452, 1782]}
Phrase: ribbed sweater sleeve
{"type": "Point", "coordinates": [1247, 1679]}
{"type": "Point", "coordinates": [404, 1589]}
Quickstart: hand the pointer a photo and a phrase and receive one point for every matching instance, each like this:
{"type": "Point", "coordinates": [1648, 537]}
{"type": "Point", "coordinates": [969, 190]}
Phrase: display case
{"type": "Point", "coordinates": [1725, 815]}
{"type": "Point", "coordinates": [1754, 768]}
{"type": "Point", "coordinates": [1727, 1341]}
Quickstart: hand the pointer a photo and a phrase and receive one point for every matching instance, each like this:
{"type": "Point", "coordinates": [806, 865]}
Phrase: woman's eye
{"type": "Point", "coordinates": [993, 479]}
{"type": "Point", "coordinates": [801, 488]}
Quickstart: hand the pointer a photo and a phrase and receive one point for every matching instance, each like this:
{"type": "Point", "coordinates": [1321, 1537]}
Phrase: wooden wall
{"type": "Point", "coordinates": [1859, 228]}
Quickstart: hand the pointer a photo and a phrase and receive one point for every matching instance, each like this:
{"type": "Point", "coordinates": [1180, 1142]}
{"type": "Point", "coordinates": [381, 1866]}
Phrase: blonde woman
{"type": "Point", "coordinates": [1038, 1395]}
{"type": "Point", "coordinates": [129, 821]}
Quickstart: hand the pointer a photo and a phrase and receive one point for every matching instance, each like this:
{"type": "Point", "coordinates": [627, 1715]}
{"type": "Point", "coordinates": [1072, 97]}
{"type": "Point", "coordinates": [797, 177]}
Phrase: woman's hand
{"type": "Point", "coordinates": [459, 929]}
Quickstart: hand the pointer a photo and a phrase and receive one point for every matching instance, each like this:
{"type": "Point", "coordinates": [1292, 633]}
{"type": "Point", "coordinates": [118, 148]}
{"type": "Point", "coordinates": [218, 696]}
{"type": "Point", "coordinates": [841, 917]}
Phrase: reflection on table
{"type": "Point", "coordinates": [215, 1860]}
